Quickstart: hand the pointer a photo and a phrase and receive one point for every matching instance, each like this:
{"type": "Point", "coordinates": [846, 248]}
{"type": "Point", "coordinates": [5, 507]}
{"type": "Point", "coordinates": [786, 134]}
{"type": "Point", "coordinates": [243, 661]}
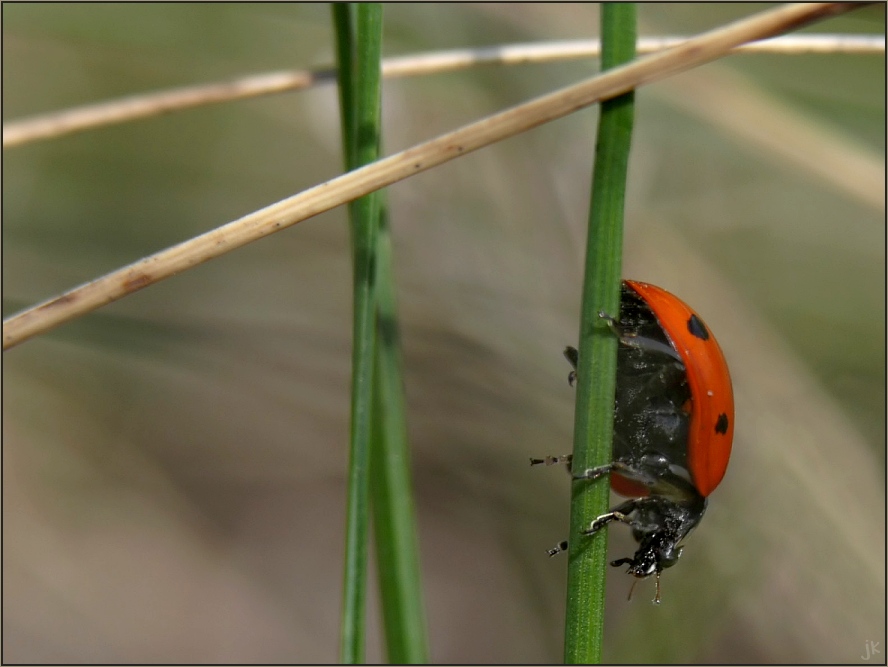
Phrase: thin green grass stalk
{"type": "Point", "coordinates": [390, 485]}
{"type": "Point", "coordinates": [343, 28]}
{"type": "Point", "coordinates": [359, 39]}
{"type": "Point", "coordinates": [394, 522]}
{"type": "Point", "coordinates": [593, 425]}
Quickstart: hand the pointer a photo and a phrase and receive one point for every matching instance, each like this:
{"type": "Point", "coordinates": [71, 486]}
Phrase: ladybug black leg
{"type": "Point", "coordinates": [631, 339]}
{"type": "Point", "coordinates": [594, 473]}
{"type": "Point", "coordinates": [548, 461]}
{"type": "Point", "coordinates": [573, 357]}
{"type": "Point", "coordinates": [552, 460]}
{"type": "Point", "coordinates": [605, 519]}
{"type": "Point", "coordinates": [611, 323]}
{"type": "Point", "coordinates": [557, 549]}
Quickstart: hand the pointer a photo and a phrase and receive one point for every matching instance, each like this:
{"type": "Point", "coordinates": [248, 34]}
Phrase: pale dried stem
{"type": "Point", "coordinates": [78, 119]}
{"type": "Point", "coordinates": [696, 51]}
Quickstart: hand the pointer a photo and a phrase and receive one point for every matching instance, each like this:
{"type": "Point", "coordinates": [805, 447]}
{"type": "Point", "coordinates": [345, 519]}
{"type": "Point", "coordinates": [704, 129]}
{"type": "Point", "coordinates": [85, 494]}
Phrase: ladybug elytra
{"type": "Point", "coordinates": [673, 425]}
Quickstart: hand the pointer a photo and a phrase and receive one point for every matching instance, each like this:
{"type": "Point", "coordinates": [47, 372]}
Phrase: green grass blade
{"type": "Point", "coordinates": [397, 554]}
{"type": "Point", "coordinates": [343, 27]}
{"type": "Point", "coordinates": [359, 38]}
{"type": "Point", "coordinates": [390, 487]}
{"type": "Point", "coordinates": [593, 425]}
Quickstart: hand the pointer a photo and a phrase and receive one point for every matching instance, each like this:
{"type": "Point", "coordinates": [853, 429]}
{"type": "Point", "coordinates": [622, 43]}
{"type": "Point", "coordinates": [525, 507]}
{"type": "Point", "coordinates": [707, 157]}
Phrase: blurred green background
{"type": "Point", "coordinates": [173, 464]}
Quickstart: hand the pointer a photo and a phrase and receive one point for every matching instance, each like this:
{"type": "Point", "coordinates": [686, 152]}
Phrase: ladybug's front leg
{"type": "Point", "coordinates": [632, 339]}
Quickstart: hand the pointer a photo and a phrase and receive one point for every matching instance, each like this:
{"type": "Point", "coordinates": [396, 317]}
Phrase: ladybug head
{"type": "Point", "coordinates": [659, 525]}
{"type": "Point", "coordinates": [657, 550]}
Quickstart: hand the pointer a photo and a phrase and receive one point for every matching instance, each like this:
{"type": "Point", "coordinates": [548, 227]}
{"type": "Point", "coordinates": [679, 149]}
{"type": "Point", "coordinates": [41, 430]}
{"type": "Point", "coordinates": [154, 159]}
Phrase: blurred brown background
{"type": "Point", "coordinates": [173, 464]}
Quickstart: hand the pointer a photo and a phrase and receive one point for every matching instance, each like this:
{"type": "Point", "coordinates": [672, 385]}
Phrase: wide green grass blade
{"type": "Point", "coordinates": [593, 425]}
{"type": "Point", "coordinates": [359, 38]}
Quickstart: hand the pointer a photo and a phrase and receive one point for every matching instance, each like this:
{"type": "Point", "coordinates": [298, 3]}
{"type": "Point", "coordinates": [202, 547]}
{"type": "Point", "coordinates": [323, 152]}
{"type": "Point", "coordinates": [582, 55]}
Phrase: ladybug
{"type": "Point", "coordinates": [673, 425]}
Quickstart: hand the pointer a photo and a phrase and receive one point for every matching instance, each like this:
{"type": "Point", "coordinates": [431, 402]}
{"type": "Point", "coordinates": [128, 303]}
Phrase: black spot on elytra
{"type": "Point", "coordinates": [721, 424]}
{"type": "Point", "coordinates": [697, 328]}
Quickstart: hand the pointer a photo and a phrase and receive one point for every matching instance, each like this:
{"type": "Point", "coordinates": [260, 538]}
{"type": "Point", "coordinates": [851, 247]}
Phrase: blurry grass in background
{"type": "Point", "coordinates": [174, 463]}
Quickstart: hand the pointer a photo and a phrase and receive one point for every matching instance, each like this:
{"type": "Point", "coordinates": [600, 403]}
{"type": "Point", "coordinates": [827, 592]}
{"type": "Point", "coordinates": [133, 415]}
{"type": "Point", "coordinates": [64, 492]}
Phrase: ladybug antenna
{"type": "Point", "coordinates": [632, 589]}
{"type": "Point", "coordinates": [656, 599]}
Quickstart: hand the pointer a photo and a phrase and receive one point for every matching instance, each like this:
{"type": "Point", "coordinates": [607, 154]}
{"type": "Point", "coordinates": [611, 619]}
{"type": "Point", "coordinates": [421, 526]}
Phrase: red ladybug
{"type": "Point", "coordinates": [673, 425]}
